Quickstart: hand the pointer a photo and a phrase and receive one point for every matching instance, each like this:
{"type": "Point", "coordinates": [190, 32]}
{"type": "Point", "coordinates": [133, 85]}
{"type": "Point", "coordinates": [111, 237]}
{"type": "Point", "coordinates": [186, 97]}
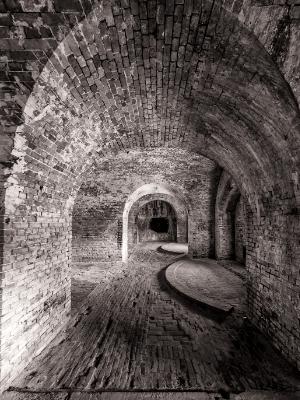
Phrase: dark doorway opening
{"type": "Point", "coordinates": [156, 221]}
{"type": "Point", "coordinates": [244, 253]}
{"type": "Point", "coordinates": [159, 225]}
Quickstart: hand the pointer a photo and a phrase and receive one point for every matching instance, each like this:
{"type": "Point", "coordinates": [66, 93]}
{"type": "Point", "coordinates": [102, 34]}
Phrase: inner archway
{"type": "Point", "coordinates": [230, 221]}
{"type": "Point", "coordinates": [156, 221]}
{"type": "Point", "coordinates": [139, 199]}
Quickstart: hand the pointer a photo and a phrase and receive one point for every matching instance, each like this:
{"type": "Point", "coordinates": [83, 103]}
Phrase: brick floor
{"type": "Point", "coordinates": [254, 395]}
{"type": "Point", "coordinates": [134, 332]}
{"type": "Point", "coordinates": [85, 277]}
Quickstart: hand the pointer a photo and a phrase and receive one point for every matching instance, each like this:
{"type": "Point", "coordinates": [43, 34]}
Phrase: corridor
{"type": "Point", "coordinates": [133, 332]}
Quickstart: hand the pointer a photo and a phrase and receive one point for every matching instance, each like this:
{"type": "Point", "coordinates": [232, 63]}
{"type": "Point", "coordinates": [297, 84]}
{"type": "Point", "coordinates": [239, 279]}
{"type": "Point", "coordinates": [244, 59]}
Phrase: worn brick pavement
{"type": "Point", "coordinates": [134, 332]}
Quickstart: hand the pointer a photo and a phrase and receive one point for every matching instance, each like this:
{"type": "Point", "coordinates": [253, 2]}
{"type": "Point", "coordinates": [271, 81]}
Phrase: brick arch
{"type": "Point", "coordinates": [144, 195]}
{"type": "Point", "coordinates": [228, 196]}
{"type": "Point", "coordinates": [241, 227]}
{"type": "Point", "coordinates": [42, 26]}
{"type": "Point", "coordinates": [70, 91]}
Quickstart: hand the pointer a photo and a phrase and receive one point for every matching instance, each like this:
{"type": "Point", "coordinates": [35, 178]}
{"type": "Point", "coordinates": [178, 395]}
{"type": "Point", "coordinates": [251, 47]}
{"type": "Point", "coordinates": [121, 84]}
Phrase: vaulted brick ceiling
{"type": "Point", "coordinates": [152, 73]}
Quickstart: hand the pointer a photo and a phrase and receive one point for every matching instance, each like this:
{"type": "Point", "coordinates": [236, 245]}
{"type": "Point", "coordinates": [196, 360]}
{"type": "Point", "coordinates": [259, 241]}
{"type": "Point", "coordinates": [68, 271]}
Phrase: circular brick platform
{"type": "Point", "coordinates": [207, 282]}
{"type": "Point", "coordinates": [175, 247]}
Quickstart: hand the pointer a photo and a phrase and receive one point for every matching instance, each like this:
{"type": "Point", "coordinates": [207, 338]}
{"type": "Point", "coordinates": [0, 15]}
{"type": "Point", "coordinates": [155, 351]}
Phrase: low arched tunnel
{"type": "Point", "coordinates": [156, 221]}
{"type": "Point", "coordinates": [150, 198]}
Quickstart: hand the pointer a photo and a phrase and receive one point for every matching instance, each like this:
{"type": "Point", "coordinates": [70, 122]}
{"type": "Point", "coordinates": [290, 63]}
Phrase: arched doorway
{"type": "Point", "coordinates": [146, 194]}
{"type": "Point", "coordinates": [156, 221]}
{"type": "Point", "coordinates": [231, 221]}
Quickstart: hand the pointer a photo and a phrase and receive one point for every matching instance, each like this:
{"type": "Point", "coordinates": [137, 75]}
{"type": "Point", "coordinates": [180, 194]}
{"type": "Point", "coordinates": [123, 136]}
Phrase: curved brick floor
{"type": "Point", "coordinates": [134, 332]}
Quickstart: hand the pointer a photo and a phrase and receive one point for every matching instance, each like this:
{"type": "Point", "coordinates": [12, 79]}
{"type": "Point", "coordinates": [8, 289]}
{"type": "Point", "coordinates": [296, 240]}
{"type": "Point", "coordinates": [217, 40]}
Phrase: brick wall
{"type": "Point", "coordinates": [273, 263]}
{"type": "Point", "coordinates": [35, 276]}
{"type": "Point", "coordinates": [97, 224]}
{"type": "Point", "coordinates": [240, 239]}
{"type": "Point", "coordinates": [226, 248]}
{"type": "Point", "coordinates": [229, 222]}
{"type": "Point", "coordinates": [271, 239]}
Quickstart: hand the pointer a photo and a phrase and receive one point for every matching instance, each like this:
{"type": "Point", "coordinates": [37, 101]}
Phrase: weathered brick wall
{"type": "Point", "coordinates": [226, 244]}
{"type": "Point", "coordinates": [240, 239]}
{"type": "Point", "coordinates": [202, 216]}
{"type": "Point", "coordinates": [102, 65]}
{"type": "Point", "coordinates": [100, 202]}
{"type": "Point", "coordinates": [271, 238]}
{"type": "Point", "coordinates": [97, 226]}
{"type": "Point", "coordinates": [276, 25]}
{"type": "Point", "coordinates": [225, 210]}
{"type": "Point", "coordinates": [35, 276]}
{"type": "Point", "coordinates": [231, 221]}
{"type": "Point", "coordinates": [273, 258]}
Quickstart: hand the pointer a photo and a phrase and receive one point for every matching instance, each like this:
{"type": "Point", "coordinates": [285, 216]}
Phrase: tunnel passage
{"type": "Point", "coordinates": [230, 221]}
{"type": "Point", "coordinates": [139, 75]}
{"type": "Point", "coordinates": [156, 220]}
{"type": "Point", "coordinates": [149, 193]}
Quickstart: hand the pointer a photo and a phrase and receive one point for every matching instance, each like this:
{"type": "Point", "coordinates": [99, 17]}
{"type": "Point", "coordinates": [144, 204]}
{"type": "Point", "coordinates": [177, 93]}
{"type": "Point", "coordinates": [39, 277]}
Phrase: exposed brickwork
{"type": "Point", "coordinates": [230, 223]}
{"type": "Point", "coordinates": [276, 25]}
{"type": "Point", "coordinates": [35, 273]}
{"type": "Point", "coordinates": [271, 252]}
{"type": "Point", "coordinates": [83, 79]}
{"type": "Point", "coordinates": [240, 231]}
{"type": "Point", "coordinates": [272, 261]}
{"type": "Point", "coordinates": [117, 63]}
